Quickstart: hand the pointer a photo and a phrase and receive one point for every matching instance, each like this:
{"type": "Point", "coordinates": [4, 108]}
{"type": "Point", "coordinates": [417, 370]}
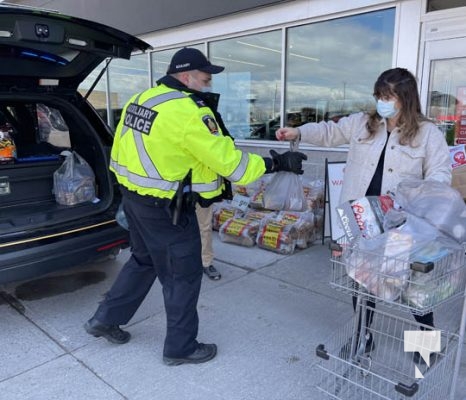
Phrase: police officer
{"type": "Point", "coordinates": [168, 149]}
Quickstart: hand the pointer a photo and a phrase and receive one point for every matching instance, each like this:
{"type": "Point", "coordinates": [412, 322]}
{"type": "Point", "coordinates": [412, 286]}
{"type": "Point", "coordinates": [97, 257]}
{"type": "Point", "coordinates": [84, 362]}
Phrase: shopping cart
{"type": "Point", "coordinates": [368, 360]}
{"type": "Point", "coordinates": [411, 282]}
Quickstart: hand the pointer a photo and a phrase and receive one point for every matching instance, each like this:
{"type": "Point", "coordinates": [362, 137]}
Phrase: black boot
{"type": "Point", "coordinates": [203, 353]}
{"type": "Point", "coordinates": [112, 333]}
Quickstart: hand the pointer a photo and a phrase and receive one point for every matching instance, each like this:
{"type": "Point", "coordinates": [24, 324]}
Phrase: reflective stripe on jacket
{"type": "Point", "coordinates": [163, 133]}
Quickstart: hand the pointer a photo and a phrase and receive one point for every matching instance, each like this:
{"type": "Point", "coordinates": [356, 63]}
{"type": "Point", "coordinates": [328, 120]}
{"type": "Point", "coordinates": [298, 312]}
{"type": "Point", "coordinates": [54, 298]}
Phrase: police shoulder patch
{"type": "Point", "coordinates": [211, 124]}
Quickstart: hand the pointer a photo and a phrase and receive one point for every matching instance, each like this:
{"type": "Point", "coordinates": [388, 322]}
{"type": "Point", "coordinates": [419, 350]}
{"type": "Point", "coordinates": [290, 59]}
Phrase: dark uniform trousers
{"type": "Point", "coordinates": [171, 253]}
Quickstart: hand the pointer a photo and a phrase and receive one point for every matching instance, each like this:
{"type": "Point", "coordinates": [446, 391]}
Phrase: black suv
{"type": "Point", "coordinates": [44, 56]}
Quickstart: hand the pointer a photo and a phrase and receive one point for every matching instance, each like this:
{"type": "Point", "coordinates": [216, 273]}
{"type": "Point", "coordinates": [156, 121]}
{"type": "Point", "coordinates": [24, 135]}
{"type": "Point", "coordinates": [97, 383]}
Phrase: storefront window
{"type": "Point", "coordinates": [126, 78]}
{"type": "Point", "coordinates": [332, 66]}
{"type": "Point", "coordinates": [330, 70]}
{"type": "Point", "coordinates": [161, 59]}
{"type": "Point", "coordinates": [250, 85]}
{"type": "Point", "coordinates": [98, 96]}
{"type": "Point", "coordinates": [447, 98]}
{"type": "Point", "coordinates": [437, 5]}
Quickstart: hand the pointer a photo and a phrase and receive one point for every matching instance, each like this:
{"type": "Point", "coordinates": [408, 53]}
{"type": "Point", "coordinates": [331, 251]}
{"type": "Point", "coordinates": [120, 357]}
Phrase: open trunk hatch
{"type": "Point", "coordinates": [39, 44]}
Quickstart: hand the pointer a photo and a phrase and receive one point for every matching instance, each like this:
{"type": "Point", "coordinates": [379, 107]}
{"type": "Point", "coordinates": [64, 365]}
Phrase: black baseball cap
{"type": "Point", "coordinates": [189, 59]}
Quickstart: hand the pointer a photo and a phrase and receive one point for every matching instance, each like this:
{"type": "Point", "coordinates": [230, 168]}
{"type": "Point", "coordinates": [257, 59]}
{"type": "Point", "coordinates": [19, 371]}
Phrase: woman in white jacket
{"type": "Point", "coordinates": [393, 143]}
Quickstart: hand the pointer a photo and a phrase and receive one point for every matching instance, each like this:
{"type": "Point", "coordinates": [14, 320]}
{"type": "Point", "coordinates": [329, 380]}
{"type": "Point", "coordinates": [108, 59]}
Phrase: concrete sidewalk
{"type": "Point", "coordinates": [267, 315]}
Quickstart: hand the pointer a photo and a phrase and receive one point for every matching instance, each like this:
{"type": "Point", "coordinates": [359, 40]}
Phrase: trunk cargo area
{"type": "Point", "coordinates": [41, 132]}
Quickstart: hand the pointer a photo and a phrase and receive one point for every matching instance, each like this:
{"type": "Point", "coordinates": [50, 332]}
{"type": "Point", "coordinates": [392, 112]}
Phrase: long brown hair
{"type": "Point", "coordinates": [401, 83]}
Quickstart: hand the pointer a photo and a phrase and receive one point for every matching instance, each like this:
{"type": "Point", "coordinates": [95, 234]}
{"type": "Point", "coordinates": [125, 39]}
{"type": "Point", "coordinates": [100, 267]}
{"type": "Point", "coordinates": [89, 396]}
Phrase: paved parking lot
{"type": "Point", "coordinates": [267, 315]}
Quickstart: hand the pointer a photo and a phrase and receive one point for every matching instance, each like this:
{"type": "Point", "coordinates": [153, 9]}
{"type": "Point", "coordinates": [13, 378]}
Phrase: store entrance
{"type": "Point", "coordinates": [444, 87]}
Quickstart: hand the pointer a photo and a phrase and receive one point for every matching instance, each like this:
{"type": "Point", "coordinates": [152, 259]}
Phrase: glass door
{"type": "Point", "coordinates": [444, 87]}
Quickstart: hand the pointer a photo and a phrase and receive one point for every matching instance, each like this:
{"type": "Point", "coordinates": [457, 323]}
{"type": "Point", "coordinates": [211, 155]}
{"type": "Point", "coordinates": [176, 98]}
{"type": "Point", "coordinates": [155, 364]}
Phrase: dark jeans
{"type": "Point", "coordinates": [172, 254]}
{"type": "Point", "coordinates": [426, 319]}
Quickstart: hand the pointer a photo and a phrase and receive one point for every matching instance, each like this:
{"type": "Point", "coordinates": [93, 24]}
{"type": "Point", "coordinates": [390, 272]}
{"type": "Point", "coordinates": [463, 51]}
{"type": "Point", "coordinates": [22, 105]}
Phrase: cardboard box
{"type": "Point", "coordinates": [458, 155]}
{"type": "Point", "coordinates": [364, 217]}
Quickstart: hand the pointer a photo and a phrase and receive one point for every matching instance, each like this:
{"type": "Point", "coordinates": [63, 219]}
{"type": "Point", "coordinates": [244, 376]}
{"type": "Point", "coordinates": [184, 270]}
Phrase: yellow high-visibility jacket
{"type": "Point", "coordinates": [163, 133]}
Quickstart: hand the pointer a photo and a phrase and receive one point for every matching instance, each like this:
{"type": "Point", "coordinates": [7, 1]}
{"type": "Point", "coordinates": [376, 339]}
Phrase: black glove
{"type": "Point", "coordinates": [291, 161]}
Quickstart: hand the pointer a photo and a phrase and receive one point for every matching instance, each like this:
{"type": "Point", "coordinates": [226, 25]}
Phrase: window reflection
{"type": "Point", "coordinates": [330, 70]}
{"type": "Point", "coordinates": [161, 59]}
{"type": "Point", "coordinates": [332, 66]}
{"type": "Point", "coordinates": [437, 5]}
{"type": "Point", "coordinates": [126, 77]}
{"type": "Point", "coordinates": [250, 84]}
{"type": "Point", "coordinates": [98, 96]}
{"type": "Point", "coordinates": [447, 98]}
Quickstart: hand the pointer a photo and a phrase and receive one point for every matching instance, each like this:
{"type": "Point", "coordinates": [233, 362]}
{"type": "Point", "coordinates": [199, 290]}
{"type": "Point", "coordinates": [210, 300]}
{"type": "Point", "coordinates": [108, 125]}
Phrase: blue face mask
{"type": "Point", "coordinates": [386, 109]}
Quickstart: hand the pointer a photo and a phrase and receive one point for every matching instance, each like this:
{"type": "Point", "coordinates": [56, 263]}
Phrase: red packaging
{"type": "Point", "coordinates": [364, 217]}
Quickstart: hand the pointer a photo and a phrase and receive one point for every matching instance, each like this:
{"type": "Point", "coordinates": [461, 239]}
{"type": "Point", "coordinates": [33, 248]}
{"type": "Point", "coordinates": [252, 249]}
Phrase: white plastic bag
{"type": "Point", "coordinates": [384, 270]}
{"type": "Point", "coordinates": [285, 192]}
{"type": "Point", "coordinates": [436, 202]}
{"type": "Point", "coordinates": [74, 181]}
{"type": "Point", "coordinates": [382, 264]}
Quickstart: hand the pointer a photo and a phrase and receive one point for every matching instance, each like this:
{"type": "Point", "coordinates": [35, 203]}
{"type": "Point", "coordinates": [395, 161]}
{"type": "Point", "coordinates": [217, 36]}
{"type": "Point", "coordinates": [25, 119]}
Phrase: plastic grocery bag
{"type": "Point", "coordinates": [74, 181]}
{"type": "Point", "coordinates": [383, 271]}
{"type": "Point", "coordinates": [436, 202]}
{"type": "Point", "coordinates": [382, 264]}
{"type": "Point", "coordinates": [285, 192]}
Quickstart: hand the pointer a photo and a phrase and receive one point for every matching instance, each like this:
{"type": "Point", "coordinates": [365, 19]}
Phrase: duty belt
{"type": "Point", "coordinates": [144, 199]}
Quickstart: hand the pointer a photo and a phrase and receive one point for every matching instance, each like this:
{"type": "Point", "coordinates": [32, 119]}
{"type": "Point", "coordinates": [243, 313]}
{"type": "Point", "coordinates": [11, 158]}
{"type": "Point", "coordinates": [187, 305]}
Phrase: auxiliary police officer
{"type": "Point", "coordinates": [169, 150]}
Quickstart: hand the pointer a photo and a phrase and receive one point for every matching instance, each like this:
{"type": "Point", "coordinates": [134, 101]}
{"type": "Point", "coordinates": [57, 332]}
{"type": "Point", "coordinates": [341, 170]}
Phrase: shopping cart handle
{"type": "Point", "coordinates": [321, 352]}
{"type": "Point", "coordinates": [422, 267]}
{"type": "Point", "coordinates": [407, 390]}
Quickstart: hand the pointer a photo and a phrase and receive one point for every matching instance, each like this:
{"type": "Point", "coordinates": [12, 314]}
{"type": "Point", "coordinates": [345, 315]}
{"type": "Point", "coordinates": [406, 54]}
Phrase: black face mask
{"type": "Point", "coordinates": [210, 98]}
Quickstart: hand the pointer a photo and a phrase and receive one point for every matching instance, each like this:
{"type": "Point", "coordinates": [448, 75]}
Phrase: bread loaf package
{"type": "Point", "coordinates": [304, 224]}
{"type": "Point", "coordinates": [222, 212]}
{"type": "Point", "coordinates": [277, 236]}
{"type": "Point", "coordinates": [240, 231]}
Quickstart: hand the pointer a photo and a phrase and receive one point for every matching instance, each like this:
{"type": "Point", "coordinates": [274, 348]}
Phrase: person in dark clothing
{"type": "Point", "coordinates": [168, 153]}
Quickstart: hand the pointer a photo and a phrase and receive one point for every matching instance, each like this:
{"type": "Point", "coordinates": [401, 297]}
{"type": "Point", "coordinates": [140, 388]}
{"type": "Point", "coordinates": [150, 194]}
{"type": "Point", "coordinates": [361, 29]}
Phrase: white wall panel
{"type": "Point", "coordinates": [408, 34]}
{"type": "Point", "coordinates": [292, 13]}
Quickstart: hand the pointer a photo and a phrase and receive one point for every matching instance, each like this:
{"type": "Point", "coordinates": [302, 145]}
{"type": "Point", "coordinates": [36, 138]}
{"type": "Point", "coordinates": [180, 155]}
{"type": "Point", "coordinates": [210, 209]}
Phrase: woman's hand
{"type": "Point", "coordinates": [287, 134]}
